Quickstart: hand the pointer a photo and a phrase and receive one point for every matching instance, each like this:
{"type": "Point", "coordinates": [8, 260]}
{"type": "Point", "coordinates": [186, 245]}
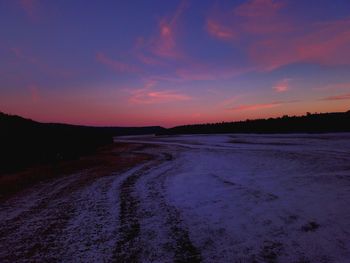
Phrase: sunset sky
{"type": "Point", "coordinates": [135, 63]}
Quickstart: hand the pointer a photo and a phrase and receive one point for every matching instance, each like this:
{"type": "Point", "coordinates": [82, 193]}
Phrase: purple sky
{"type": "Point", "coordinates": [134, 63]}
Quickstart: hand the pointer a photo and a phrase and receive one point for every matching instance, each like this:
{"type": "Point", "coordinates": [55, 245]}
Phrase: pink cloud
{"type": "Point", "coordinates": [150, 95]}
{"type": "Point", "coordinates": [329, 43]}
{"type": "Point", "coordinates": [269, 55]}
{"type": "Point", "coordinates": [261, 106]}
{"type": "Point", "coordinates": [335, 86]}
{"type": "Point", "coordinates": [166, 77]}
{"type": "Point", "coordinates": [326, 44]}
{"type": "Point", "coordinates": [16, 51]}
{"type": "Point", "coordinates": [23, 57]}
{"type": "Point", "coordinates": [338, 97]}
{"type": "Point", "coordinates": [30, 8]}
{"type": "Point", "coordinates": [274, 39]}
{"type": "Point", "coordinates": [143, 52]}
{"type": "Point", "coordinates": [148, 60]}
{"type": "Point", "coordinates": [257, 17]}
{"type": "Point", "coordinates": [19, 54]}
{"type": "Point", "coordinates": [195, 71]}
{"type": "Point", "coordinates": [258, 8]}
{"type": "Point", "coordinates": [252, 107]}
{"type": "Point", "coordinates": [281, 86]}
{"type": "Point", "coordinates": [165, 44]}
{"type": "Point", "coordinates": [229, 101]}
{"type": "Point", "coordinates": [115, 64]}
{"type": "Point", "coordinates": [220, 31]}
{"type": "Point", "coordinates": [34, 92]}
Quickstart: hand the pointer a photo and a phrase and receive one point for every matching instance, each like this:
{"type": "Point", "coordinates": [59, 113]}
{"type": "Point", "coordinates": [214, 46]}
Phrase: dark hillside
{"type": "Point", "coordinates": [25, 142]}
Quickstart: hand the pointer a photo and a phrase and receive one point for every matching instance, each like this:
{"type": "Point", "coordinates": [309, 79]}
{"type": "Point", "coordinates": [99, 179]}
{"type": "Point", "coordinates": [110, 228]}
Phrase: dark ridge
{"type": "Point", "coordinates": [25, 142]}
{"type": "Point", "coordinates": [309, 123]}
{"type": "Point", "coordinates": [121, 131]}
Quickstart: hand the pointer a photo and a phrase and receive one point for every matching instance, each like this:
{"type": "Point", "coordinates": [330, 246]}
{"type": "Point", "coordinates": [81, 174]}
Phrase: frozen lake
{"type": "Point", "coordinates": [203, 198]}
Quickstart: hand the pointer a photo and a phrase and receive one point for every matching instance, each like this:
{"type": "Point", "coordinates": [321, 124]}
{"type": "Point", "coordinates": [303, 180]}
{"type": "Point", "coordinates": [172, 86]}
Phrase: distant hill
{"type": "Point", "coordinates": [309, 123]}
{"type": "Point", "coordinates": [25, 142]}
{"type": "Point", "coordinates": [121, 131]}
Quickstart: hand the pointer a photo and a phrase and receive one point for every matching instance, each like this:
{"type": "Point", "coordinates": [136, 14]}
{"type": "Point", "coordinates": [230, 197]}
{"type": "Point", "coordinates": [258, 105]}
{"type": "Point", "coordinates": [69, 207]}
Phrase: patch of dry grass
{"type": "Point", "coordinates": [113, 158]}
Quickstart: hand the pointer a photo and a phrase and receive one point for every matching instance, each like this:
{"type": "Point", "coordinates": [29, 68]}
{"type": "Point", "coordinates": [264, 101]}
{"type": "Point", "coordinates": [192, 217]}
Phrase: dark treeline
{"type": "Point", "coordinates": [24, 142]}
{"type": "Point", "coordinates": [310, 123]}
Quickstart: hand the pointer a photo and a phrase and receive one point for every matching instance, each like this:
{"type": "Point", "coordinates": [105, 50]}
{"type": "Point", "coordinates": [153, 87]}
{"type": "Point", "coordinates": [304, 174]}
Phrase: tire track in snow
{"type": "Point", "coordinates": [132, 245]}
{"type": "Point", "coordinates": [175, 235]}
{"type": "Point", "coordinates": [32, 233]}
{"type": "Point", "coordinates": [128, 248]}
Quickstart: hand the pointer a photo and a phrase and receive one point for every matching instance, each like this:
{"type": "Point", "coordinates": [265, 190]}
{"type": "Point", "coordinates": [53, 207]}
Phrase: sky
{"type": "Point", "coordinates": [157, 62]}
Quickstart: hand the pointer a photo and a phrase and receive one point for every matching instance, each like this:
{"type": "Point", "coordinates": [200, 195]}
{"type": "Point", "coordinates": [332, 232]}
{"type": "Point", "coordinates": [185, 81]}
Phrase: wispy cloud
{"type": "Point", "coordinates": [274, 39]}
{"type": "Point", "coordinates": [165, 44]}
{"type": "Point", "coordinates": [281, 86]}
{"type": "Point", "coordinates": [116, 65]}
{"type": "Point", "coordinates": [329, 43]}
{"type": "Point", "coordinates": [256, 17]}
{"type": "Point", "coordinates": [16, 51]}
{"type": "Point", "coordinates": [229, 101]}
{"type": "Point", "coordinates": [325, 44]}
{"type": "Point", "coordinates": [149, 94]}
{"type": "Point", "coordinates": [258, 8]}
{"type": "Point", "coordinates": [161, 47]}
{"type": "Point", "coordinates": [28, 58]}
{"type": "Point", "coordinates": [34, 92]}
{"type": "Point", "coordinates": [220, 31]}
{"type": "Point", "coordinates": [30, 7]}
{"type": "Point", "coordinates": [261, 106]}
{"type": "Point", "coordinates": [19, 54]}
{"type": "Point", "coordinates": [338, 97]}
{"type": "Point", "coordinates": [335, 86]}
{"type": "Point", "coordinates": [196, 71]}
{"type": "Point", "coordinates": [148, 60]}
{"type": "Point", "coordinates": [252, 107]}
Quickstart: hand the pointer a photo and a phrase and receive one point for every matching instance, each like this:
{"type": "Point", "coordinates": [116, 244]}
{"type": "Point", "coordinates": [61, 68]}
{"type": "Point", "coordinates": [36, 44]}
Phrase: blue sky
{"type": "Point", "coordinates": [173, 62]}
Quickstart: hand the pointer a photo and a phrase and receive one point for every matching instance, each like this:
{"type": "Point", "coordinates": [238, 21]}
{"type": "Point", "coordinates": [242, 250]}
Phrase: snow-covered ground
{"type": "Point", "coordinates": [204, 198]}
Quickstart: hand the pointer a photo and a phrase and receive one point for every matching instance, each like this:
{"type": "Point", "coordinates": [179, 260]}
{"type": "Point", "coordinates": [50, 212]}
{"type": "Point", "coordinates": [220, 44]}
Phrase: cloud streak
{"type": "Point", "coordinates": [220, 31]}
{"type": "Point", "coordinates": [274, 39]}
{"type": "Point", "coordinates": [281, 86]}
{"type": "Point", "coordinates": [165, 43]}
{"type": "Point", "coordinates": [337, 97]}
{"type": "Point", "coordinates": [30, 7]}
{"type": "Point", "coordinates": [335, 86]}
{"type": "Point", "coordinates": [34, 93]}
{"type": "Point", "coordinates": [258, 8]}
{"type": "Point", "coordinates": [24, 57]}
{"type": "Point", "coordinates": [261, 106]}
{"type": "Point", "coordinates": [150, 95]}
{"type": "Point", "coordinates": [116, 65]}
{"type": "Point", "coordinates": [254, 107]}
{"type": "Point", "coordinates": [196, 71]}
